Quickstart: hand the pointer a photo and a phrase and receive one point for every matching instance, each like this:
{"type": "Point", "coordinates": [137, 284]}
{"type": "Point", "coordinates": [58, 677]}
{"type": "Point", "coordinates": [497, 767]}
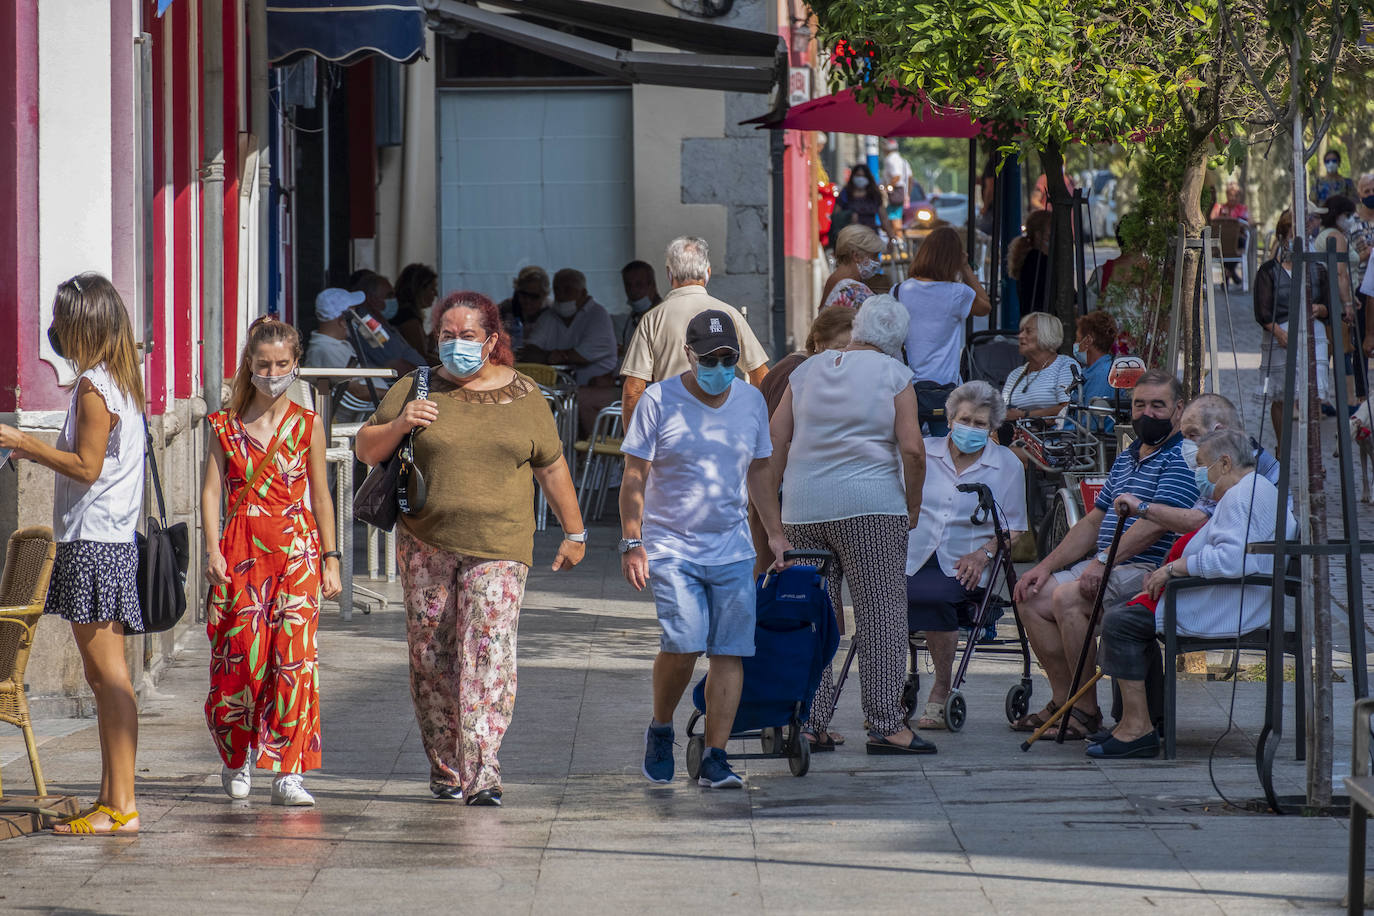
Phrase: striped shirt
{"type": "Point", "coordinates": [1038, 388]}
{"type": "Point", "coordinates": [1162, 478]}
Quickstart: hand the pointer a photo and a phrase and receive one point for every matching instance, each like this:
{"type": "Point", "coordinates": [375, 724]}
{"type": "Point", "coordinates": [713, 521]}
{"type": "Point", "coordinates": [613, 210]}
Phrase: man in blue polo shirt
{"type": "Point", "coordinates": [1055, 597]}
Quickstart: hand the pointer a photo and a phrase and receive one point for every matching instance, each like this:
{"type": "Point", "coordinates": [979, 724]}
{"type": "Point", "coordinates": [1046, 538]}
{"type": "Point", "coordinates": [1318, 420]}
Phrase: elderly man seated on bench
{"type": "Point", "coordinates": [1055, 597]}
{"type": "Point", "coordinates": [1246, 503]}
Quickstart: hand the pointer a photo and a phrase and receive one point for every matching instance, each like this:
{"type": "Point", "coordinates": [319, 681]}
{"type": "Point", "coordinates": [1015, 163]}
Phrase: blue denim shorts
{"type": "Point", "coordinates": [704, 608]}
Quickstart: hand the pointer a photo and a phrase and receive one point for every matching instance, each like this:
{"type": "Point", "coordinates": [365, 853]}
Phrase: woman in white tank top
{"type": "Point", "coordinates": [98, 459]}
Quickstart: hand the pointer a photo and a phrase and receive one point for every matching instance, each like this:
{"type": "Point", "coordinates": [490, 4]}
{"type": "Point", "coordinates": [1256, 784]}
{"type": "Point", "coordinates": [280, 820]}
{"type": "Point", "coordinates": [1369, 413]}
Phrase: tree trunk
{"type": "Point", "coordinates": [1062, 291]}
{"type": "Point", "coordinates": [1189, 316]}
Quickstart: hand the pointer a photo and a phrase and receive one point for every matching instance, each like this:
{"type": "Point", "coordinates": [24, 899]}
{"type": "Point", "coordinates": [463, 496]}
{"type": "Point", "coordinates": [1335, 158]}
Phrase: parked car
{"type": "Point", "coordinates": [1101, 188]}
{"type": "Point", "coordinates": [945, 209]}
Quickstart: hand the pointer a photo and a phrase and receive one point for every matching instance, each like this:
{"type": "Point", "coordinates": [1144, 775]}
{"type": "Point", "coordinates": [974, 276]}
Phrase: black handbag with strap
{"type": "Point", "coordinates": [395, 485]}
{"type": "Point", "coordinates": [164, 552]}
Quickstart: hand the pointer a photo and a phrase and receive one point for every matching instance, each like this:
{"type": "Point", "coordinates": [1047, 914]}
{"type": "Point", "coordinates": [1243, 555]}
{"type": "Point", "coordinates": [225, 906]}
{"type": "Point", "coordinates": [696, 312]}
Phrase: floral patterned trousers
{"type": "Point", "coordinates": [461, 617]}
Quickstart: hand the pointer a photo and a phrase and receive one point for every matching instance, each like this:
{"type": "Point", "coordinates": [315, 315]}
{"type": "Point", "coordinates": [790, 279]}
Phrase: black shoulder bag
{"type": "Point", "coordinates": [395, 485]}
{"type": "Point", "coordinates": [163, 554]}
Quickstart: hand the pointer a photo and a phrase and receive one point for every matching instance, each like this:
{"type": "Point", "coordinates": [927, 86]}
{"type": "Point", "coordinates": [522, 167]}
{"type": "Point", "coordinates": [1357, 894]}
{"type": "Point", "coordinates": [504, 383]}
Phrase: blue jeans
{"type": "Point", "coordinates": [704, 608]}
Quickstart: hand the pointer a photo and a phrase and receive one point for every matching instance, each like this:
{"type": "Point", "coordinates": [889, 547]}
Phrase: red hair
{"type": "Point", "coordinates": [489, 317]}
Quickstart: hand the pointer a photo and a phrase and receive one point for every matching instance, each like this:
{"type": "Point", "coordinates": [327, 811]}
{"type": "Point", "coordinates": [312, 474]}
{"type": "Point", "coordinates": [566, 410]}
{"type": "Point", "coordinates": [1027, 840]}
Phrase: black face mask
{"type": "Point", "coordinates": [1368, 201]}
{"type": "Point", "coordinates": [56, 346]}
{"type": "Point", "coordinates": [1152, 430]}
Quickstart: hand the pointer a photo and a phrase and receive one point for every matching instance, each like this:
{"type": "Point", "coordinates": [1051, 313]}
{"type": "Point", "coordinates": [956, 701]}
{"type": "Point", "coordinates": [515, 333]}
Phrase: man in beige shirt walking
{"type": "Point", "coordinates": [657, 350]}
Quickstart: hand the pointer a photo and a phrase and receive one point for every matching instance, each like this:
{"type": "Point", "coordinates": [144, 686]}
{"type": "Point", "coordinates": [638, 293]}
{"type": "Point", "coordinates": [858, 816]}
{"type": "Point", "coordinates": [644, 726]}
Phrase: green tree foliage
{"type": "Point", "coordinates": [1162, 75]}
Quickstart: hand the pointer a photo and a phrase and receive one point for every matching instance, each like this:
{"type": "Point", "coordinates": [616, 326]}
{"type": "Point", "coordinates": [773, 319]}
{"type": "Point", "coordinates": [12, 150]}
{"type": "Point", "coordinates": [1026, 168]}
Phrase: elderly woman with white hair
{"type": "Point", "coordinates": [948, 557]}
{"type": "Point", "coordinates": [1040, 387]}
{"type": "Point", "coordinates": [858, 259]}
{"type": "Point", "coordinates": [848, 438]}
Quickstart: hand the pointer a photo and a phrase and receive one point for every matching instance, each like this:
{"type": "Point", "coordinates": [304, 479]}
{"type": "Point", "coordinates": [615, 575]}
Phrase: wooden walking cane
{"type": "Point", "coordinates": [1074, 692]}
{"type": "Point", "coordinates": [1061, 711]}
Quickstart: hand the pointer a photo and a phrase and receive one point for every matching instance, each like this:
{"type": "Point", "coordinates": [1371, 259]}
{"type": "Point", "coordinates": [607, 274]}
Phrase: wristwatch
{"type": "Point", "coordinates": [1143, 510]}
{"type": "Point", "coordinates": [338, 555]}
{"type": "Point", "coordinates": [579, 538]}
{"type": "Point", "coordinates": [989, 554]}
{"type": "Point", "coordinates": [1101, 557]}
{"type": "Point", "coordinates": [628, 544]}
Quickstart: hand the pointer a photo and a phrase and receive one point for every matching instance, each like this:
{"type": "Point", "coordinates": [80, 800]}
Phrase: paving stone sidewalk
{"type": "Point", "coordinates": [981, 827]}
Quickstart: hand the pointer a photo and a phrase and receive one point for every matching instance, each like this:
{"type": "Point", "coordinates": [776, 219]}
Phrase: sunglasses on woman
{"type": "Point", "coordinates": [711, 362]}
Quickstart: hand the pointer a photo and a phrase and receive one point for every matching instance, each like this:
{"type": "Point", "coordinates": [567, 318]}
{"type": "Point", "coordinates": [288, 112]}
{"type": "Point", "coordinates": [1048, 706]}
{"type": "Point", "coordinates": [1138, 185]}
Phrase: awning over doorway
{"type": "Point", "coordinates": [344, 30]}
{"type": "Point", "coordinates": [842, 114]}
{"type": "Point", "coordinates": [708, 56]}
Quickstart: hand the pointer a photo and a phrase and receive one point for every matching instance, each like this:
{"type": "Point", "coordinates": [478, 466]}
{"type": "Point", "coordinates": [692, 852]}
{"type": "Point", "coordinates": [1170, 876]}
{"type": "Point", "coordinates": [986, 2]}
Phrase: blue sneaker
{"type": "Point", "coordinates": [658, 754]}
{"type": "Point", "coordinates": [716, 772]}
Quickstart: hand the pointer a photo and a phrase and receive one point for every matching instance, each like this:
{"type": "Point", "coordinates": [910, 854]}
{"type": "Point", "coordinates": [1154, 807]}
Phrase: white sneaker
{"type": "Point", "coordinates": [237, 783]}
{"type": "Point", "coordinates": [289, 789]}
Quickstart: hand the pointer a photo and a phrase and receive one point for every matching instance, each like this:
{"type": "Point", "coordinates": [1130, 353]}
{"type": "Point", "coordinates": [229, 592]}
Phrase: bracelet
{"type": "Point", "coordinates": [335, 554]}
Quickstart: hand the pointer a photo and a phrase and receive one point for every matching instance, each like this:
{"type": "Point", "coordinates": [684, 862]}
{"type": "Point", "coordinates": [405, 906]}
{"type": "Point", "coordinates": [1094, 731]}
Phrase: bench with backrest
{"type": "Point", "coordinates": [1258, 639]}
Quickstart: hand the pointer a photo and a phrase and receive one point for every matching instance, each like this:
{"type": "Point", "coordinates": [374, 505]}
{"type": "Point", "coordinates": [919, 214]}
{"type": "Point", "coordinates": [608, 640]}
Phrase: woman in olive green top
{"type": "Point", "coordinates": [487, 437]}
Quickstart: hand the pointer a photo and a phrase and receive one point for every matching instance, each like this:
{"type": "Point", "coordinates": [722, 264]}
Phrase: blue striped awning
{"type": "Point", "coordinates": [344, 30]}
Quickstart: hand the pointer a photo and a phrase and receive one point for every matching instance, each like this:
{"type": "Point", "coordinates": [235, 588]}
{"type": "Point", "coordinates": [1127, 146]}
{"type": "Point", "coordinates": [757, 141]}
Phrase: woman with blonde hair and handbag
{"type": "Point", "coordinates": [267, 570]}
{"type": "Point", "coordinates": [98, 459]}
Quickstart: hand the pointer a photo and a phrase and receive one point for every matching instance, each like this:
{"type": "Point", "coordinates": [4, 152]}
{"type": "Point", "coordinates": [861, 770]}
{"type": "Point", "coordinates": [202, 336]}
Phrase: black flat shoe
{"type": "Point", "coordinates": [877, 744]}
{"type": "Point", "coordinates": [1116, 749]}
{"type": "Point", "coordinates": [487, 798]}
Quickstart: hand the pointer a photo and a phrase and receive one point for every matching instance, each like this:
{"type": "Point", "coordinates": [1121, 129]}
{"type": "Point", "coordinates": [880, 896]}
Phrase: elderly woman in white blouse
{"type": "Point", "coordinates": [1245, 512]}
{"type": "Point", "coordinates": [847, 443]}
{"type": "Point", "coordinates": [1039, 387]}
{"type": "Point", "coordinates": [948, 557]}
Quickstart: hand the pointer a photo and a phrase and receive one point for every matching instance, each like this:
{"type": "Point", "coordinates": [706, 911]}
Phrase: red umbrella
{"type": "Point", "coordinates": [841, 113]}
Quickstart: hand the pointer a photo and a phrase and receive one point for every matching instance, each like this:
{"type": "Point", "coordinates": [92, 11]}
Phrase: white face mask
{"type": "Point", "coordinates": [870, 268]}
{"type": "Point", "coordinates": [275, 385]}
{"type": "Point", "coordinates": [860, 182]}
{"type": "Point", "coordinates": [565, 309]}
{"type": "Point", "coordinates": [1343, 224]}
{"type": "Point", "coordinates": [1189, 449]}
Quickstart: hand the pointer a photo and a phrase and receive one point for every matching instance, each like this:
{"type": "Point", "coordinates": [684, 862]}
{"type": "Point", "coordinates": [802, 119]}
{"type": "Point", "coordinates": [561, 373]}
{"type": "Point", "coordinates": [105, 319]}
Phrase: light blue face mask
{"type": "Point", "coordinates": [389, 309]}
{"type": "Point", "coordinates": [715, 381]}
{"type": "Point", "coordinates": [1205, 487]}
{"type": "Point", "coordinates": [967, 439]}
{"type": "Point", "coordinates": [1078, 353]}
{"type": "Point", "coordinates": [462, 357]}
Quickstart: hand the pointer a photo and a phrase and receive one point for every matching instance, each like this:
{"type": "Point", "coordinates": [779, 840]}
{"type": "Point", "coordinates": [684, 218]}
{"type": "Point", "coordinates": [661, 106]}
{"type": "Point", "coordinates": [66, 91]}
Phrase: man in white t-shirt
{"type": "Point", "coordinates": [330, 347]}
{"type": "Point", "coordinates": [576, 331]}
{"type": "Point", "coordinates": [897, 176]}
{"type": "Point", "coordinates": [696, 452]}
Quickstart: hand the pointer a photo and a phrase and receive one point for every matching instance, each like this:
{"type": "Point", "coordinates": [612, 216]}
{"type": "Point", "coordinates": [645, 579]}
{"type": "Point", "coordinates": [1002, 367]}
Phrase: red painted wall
{"type": "Point", "coordinates": [25, 380]}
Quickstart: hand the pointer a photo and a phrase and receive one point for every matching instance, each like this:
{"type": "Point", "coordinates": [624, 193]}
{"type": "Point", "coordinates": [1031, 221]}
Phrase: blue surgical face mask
{"type": "Point", "coordinates": [1205, 487]}
{"type": "Point", "coordinates": [389, 308]}
{"type": "Point", "coordinates": [462, 357]}
{"type": "Point", "coordinates": [967, 439]}
{"type": "Point", "coordinates": [1078, 353]}
{"type": "Point", "coordinates": [716, 380]}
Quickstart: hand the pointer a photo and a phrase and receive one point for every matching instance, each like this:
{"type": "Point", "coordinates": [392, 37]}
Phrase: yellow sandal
{"type": "Point", "coordinates": [81, 826]}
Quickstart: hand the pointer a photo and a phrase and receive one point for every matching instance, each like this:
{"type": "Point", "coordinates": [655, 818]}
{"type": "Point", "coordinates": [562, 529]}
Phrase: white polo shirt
{"type": "Point", "coordinates": [945, 528]}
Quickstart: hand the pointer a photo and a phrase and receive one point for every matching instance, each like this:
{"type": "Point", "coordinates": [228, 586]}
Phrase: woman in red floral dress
{"type": "Point", "coordinates": [265, 571]}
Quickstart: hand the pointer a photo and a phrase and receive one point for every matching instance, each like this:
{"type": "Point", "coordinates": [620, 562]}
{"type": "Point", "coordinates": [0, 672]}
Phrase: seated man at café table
{"type": "Point", "coordinates": [576, 331]}
{"type": "Point", "coordinates": [331, 346]}
{"type": "Point", "coordinates": [1055, 598]}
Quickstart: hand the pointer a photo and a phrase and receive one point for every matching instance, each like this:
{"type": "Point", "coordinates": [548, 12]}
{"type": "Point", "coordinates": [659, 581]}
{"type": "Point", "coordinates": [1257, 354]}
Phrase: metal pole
{"type": "Point", "coordinates": [212, 203]}
{"type": "Point", "coordinates": [261, 104]}
{"type": "Point", "coordinates": [776, 152]}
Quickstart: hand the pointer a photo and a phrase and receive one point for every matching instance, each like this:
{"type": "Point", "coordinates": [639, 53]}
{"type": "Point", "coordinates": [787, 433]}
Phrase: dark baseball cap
{"type": "Point", "coordinates": [710, 331]}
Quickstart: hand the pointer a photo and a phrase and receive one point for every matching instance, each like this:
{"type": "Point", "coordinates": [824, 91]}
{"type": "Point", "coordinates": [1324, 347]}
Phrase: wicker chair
{"type": "Point", "coordinates": [23, 589]}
